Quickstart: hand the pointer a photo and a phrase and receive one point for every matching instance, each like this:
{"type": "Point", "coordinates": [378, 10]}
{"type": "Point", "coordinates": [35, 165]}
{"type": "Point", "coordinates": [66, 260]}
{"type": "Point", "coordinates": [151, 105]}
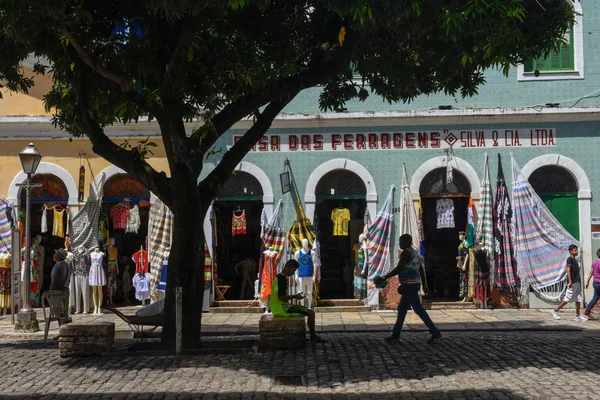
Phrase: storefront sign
{"type": "Point", "coordinates": [596, 228]}
{"type": "Point", "coordinates": [409, 140]}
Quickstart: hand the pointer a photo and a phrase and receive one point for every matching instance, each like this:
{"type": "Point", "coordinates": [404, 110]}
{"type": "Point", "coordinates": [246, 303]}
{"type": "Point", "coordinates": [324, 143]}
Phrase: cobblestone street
{"type": "Point", "coordinates": [468, 365]}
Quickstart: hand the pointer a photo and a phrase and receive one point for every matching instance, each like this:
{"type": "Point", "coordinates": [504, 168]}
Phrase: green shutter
{"type": "Point", "coordinates": [565, 208]}
{"type": "Point", "coordinates": [563, 60]}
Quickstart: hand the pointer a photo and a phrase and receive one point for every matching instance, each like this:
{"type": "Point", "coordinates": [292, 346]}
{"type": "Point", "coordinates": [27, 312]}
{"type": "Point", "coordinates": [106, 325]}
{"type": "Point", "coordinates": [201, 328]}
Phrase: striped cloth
{"type": "Point", "coordinates": [5, 227]}
{"type": "Point", "coordinates": [378, 247]}
{"type": "Point", "coordinates": [485, 223]}
{"type": "Point", "coordinates": [542, 243]}
{"type": "Point", "coordinates": [84, 225]}
{"type": "Point", "coordinates": [160, 234]}
{"type": "Point", "coordinates": [207, 268]}
{"type": "Point", "coordinates": [505, 265]}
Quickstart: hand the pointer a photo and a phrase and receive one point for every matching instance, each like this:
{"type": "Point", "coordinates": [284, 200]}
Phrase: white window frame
{"type": "Point", "coordinates": [577, 72]}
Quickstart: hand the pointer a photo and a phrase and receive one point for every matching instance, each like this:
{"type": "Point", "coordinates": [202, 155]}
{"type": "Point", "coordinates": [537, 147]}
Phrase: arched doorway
{"type": "Point", "coordinates": [557, 188]}
{"type": "Point", "coordinates": [123, 194]}
{"type": "Point", "coordinates": [339, 192]}
{"type": "Point", "coordinates": [444, 216]}
{"type": "Point", "coordinates": [241, 196]}
{"type": "Point", "coordinates": [53, 197]}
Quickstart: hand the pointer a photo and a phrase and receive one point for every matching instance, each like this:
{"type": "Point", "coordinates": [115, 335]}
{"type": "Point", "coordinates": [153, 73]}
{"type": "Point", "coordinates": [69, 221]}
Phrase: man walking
{"type": "Point", "coordinates": [573, 293]}
{"type": "Point", "coordinates": [410, 283]}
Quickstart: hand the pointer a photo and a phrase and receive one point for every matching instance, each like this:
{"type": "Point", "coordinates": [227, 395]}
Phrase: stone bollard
{"type": "Point", "coordinates": [79, 340]}
{"type": "Point", "coordinates": [282, 332]}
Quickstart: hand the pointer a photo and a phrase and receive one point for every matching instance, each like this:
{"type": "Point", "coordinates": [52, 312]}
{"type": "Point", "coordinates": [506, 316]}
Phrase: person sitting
{"type": "Point", "coordinates": [279, 300]}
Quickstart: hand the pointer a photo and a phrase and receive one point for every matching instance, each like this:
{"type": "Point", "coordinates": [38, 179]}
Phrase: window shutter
{"type": "Point", "coordinates": [563, 60]}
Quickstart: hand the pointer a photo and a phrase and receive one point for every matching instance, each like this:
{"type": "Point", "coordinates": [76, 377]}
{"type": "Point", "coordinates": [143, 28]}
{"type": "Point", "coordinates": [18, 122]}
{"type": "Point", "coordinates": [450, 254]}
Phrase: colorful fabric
{"type": "Point", "coordinates": [485, 226]}
{"type": "Point", "coordinates": [160, 228]}
{"type": "Point", "coordinates": [360, 282]}
{"type": "Point", "coordinates": [340, 218]}
{"type": "Point", "coordinates": [482, 276]}
{"type": "Point", "coordinates": [5, 275]}
{"type": "Point", "coordinates": [410, 274]}
{"type": "Point", "coordinates": [378, 247]}
{"type": "Point", "coordinates": [140, 258]}
{"type": "Point", "coordinates": [238, 224]}
{"type": "Point", "coordinates": [268, 273]}
{"type": "Point", "coordinates": [57, 225]}
{"type": "Point", "coordinates": [5, 227]}
{"type": "Point", "coordinates": [81, 262]}
{"type": "Point", "coordinates": [471, 222]}
{"type": "Point", "coordinates": [119, 215]}
{"type": "Point", "coordinates": [505, 264]}
{"type": "Point", "coordinates": [207, 268]}
{"type": "Point", "coordinates": [305, 269]}
{"type": "Point", "coordinates": [301, 229]}
{"type": "Point", "coordinates": [542, 243]}
{"type": "Point", "coordinates": [162, 283]}
{"type": "Point", "coordinates": [85, 225]}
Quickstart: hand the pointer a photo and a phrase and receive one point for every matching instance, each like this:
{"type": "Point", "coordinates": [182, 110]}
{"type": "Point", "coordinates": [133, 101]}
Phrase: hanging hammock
{"type": "Point", "coordinates": [485, 224]}
{"type": "Point", "coordinates": [541, 241]}
{"type": "Point", "coordinates": [505, 265]}
{"type": "Point", "coordinates": [301, 229]}
{"type": "Point", "coordinates": [378, 247]}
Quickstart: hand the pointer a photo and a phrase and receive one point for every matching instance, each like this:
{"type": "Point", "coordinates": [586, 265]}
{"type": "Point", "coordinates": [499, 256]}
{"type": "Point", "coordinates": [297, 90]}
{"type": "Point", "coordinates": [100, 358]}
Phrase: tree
{"type": "Point", "coordinates": [116, 61]}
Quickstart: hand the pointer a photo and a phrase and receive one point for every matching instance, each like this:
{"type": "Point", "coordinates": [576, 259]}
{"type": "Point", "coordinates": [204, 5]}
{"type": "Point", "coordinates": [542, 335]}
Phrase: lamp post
{"type": "Point", "coordinates": [26, 318]}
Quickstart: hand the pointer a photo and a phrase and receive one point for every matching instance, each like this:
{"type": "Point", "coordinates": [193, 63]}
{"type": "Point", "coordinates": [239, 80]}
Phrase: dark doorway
{"type": "Point", "coordinates": [441, 242]}
{"type": "Point", "coordinates": [339, 190]}
{"type": "Point", "coordinates": [241, 193]}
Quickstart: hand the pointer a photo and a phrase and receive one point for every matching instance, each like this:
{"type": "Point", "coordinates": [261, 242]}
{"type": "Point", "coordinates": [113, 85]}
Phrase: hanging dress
{"type": "Point", "coordinates": [238, 224]}
{"type": "Point", "coordinates": [5, 280]}
{"type": "Point", "coordinates": [133, 220]}
{"type": "Point", "coordinates": [44, 227]}
{"type": "Point", "coordinates": [97, 276]}
{"type": "Point", "coordinates": [57, 225]}
{"type": "Point", "coordinates": [268, 273]}
{"type": "Point", "coordinates": [112, 263]}
{"type": "Point", "coordinates": [360, 280]}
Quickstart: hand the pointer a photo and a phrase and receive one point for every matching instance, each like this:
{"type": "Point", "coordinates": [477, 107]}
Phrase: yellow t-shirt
{"type": "Point", "coordinates": [340, 218]}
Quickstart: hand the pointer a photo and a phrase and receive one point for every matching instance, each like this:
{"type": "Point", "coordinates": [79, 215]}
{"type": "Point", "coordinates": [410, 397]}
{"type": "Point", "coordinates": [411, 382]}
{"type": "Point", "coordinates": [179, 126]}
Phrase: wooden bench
{"type": "Point", "coordinates": [77, 340]}
{"type": "Point", "coordinates": [282, 332]}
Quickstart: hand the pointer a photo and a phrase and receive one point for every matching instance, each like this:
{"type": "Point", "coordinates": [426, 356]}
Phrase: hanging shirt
{"type": "Point", "coordinates": [119, 215]}
{"type": "Point", "coordinates": [238, 224]}
{"type": "Point", "coordinates": [445, 213]}
{"type": "Point", "coordinates": [57, 227]}
{"type": "Point", "coordinates": [141, 261]}
{"type": "Point", "coordinates": [133, 220]}
{"type": "Point", "coordinates": [141, 283]}
{"type": "Point", "coordinates": [340, 218]}
{"type": "Point", "coordinates": [305, 270]}
{"type": "Point", "coordinates": [44, 227]}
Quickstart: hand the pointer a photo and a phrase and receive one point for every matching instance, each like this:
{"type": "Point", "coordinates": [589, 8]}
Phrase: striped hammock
{"type": "Point", "coordinates": [378, 247]}
{"type": "Point", "coordinates": [540, 240]}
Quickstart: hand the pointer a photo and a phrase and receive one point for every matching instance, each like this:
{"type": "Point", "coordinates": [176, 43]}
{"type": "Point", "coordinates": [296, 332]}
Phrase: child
{"type": "Point", "coordinates": [594, 272]}
{"type": "Point", "coordinates": [573, 293]}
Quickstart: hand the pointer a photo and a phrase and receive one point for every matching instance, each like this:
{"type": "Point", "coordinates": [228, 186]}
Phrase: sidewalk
{"type": "Point", "coordinates": [220, 324]}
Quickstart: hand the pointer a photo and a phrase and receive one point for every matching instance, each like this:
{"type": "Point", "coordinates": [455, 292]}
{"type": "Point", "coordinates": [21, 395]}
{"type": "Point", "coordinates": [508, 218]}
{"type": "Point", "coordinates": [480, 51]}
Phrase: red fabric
{"type": "Point", "coordinates": [119, 215]}
{"type": "Point", "coordinates": [141, 261]}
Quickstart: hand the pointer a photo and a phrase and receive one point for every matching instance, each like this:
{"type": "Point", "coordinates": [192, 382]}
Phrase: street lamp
{"type": "Point", "coordinates": [26, 318]}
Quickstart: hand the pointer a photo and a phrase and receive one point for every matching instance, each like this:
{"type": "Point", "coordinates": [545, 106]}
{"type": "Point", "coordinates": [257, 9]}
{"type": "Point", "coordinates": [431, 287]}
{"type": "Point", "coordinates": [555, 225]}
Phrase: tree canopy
{"type": "Point", "coordinates": [114, 61]}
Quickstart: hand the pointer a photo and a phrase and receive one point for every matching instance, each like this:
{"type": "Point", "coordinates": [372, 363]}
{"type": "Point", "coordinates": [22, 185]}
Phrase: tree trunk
{"type": "Point", "coordinates": [186, 263]}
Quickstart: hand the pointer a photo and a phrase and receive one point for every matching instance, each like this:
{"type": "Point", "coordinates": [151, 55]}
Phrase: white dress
{"type": "Point", "coordinates": [44, 227]}
{"type": "Point", "coordinates": [133, 220]}
{"type": "Point", "coordinates": [97, 276]}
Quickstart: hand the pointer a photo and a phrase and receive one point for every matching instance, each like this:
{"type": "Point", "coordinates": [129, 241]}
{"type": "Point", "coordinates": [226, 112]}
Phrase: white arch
{"type": "Point", "coordinates": [264, 181]}
{"type": "Point", "coordinates": [46, 168]}
{"type": "Point", "coordinates": [310, 197]}
{"type": "Point", "coordinates": [103, 177]}
{"type": "Point", "coordinates": [584, 197]}
{"type": "Point", "coordinates": [440, 162]}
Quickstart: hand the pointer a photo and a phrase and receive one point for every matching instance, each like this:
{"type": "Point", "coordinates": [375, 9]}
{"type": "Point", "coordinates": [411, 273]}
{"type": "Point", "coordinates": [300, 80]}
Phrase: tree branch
{"type": "Point", "coordinates": [234, 156]}
{"type": "Point", "coordinates": [122, 81]}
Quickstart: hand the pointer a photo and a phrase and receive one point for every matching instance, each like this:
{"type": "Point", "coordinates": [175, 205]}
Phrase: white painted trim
{"type": "Point", "coordinates": [264, 181]}
{"type": "Point", "coordinates": [584, 196]}
{"type": "Point", "coordinates": [578, 70]}
{"type": "Point", "coordinates": [440, 162]}
{"type": "Point", "coordinates": [310, 197]}
{"type": "Point", "coordinates": [46, 168]}
{"type": "Point", "coordinates": [103, 177]}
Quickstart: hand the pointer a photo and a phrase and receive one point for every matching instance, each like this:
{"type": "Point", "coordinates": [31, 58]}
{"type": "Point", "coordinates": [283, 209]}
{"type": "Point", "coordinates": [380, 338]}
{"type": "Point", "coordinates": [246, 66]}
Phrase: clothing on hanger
{"type": "Point", "coordinates": [238, 223]}
{"type": "Point", "coordinates": [445, 213]}
{"type": "Point", "coordinates": [44, 227]}
{"type": "Point", "coordinates": [119, 215]}
{"type": "Point", "coordinates": [140, 259]}
{"type": "Point", "coordinates": [133, 220]}
{"type": "Point", "coordinates": [141, 284]}
{"type": "Point", "coordinates": [57, 224]}
{"type": "Point", "coordinates": [340, 218]}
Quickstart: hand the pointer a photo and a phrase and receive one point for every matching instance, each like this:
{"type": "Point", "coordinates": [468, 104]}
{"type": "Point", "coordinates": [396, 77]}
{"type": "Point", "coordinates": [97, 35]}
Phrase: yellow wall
{"type": "Point", "coordinates": [66, 155]}
{"type": "Point", "coordinates": [30, 104]}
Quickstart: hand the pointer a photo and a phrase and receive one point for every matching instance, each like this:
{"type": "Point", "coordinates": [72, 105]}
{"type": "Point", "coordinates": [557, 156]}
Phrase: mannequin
{"type": "Point", "coordinates": [362, 267]}
{"type": "Point", "coordinates": [126, 284]}
{"type": "Point", "coordinates": [33, 283]}
{"type": "Point", "coordinates": [5, 281]}
{"type": "Point", "coordinates": [306, 272]}
{"type": "Point", "coordinates": [462, 263]}
{"type": "Point", "coordinates": [37, 273]}
{"type": "Point", "coordinates": [97, 278]}
{"type": "Point", "coordinates": [37, 243]}
{"type": "Point", "coordinates": [248, 271]}
{"type": "Point", "coordinates": [81, 277]}
{"type": "Point", "coordinates": [113, 268]}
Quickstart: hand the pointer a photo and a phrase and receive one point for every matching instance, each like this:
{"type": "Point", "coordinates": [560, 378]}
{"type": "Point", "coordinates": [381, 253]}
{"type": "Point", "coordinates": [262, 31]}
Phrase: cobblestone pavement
{"type": "Point", "coordinates": [464, 365]}
{"type": "Point", "coordinates": [448, 320]}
